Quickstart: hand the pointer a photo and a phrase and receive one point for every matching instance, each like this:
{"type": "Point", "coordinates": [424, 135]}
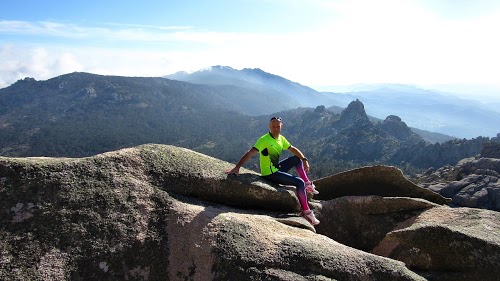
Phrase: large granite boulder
{"type": "Point", "coordinates": [448, 244]}
{"type": "Point", "coordinates": [363, 221]}
{"type": "Point", "coordinates": [374, 180]}
{"type": "Point", "coordinates": [183, 171]}
{"type": "Point", "coordinates": [237, 245]}
{"type": "Point", "coordinates": [157, 213]}
{"type": "Point", "coordinates": [435, 241]}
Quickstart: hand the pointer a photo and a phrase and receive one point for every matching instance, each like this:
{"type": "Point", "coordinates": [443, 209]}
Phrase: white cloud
{"type": "Point", "coordinates": [384, 41]}
{"type": "Point", "coordinates": [402, 41]}
{"type": "Point", "coordinates": [19, 62]}
{"type": "Point", "coordinates": [43, 63]}
{"type": "Point", "coordinates": [106, 31]}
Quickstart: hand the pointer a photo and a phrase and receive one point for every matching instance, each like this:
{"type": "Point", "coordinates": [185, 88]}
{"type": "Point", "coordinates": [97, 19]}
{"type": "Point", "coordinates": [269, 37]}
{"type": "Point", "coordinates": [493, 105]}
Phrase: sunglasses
{"type": "Point", "coordinates": [275, 118]}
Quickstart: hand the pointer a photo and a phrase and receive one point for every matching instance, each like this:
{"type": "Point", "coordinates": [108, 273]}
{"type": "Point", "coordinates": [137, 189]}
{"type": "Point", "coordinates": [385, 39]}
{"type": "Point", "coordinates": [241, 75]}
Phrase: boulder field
{"type": "Point", "coordinates": [159, 212]}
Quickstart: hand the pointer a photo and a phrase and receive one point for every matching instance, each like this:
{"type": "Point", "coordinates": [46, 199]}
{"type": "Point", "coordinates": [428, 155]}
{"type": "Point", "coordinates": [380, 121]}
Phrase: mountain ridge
{"type": "Point", "coordinates": [81, 114]}
{"type": "Point", "coordinates": [255, 78]}
{"type": "Point", "coordinates": [427, 109]}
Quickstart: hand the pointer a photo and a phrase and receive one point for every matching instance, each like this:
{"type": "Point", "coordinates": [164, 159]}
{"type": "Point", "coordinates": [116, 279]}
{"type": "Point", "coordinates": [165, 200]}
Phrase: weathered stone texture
{"type": "Point", "coordinates": [157, 212]}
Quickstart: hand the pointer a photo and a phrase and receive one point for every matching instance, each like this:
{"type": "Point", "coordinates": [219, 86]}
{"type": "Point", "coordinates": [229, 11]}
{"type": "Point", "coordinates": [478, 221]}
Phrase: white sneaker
{"type": "Point", "coordinates": [309, 216]}
{"type": "Point", "coordinates": [311, 188]}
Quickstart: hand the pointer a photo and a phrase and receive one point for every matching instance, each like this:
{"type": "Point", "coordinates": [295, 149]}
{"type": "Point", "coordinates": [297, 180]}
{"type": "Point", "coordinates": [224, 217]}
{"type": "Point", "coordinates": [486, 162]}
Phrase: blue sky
{"type": "Point", "coordinates": [317, 43]}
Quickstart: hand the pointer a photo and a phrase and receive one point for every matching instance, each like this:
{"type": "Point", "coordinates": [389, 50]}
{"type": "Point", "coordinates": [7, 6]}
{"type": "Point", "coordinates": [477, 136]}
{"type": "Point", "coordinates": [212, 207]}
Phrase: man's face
{"type": "Point", "coordinates": [275, 127]}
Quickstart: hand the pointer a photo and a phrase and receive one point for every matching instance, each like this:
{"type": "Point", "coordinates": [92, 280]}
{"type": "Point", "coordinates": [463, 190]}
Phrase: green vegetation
{"type": "Point", "coordinates": [79, 114]}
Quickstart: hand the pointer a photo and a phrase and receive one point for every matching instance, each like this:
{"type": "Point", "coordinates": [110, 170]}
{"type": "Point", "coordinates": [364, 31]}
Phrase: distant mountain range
{"type": "Point", "coordinates": [82, 114]}
{"type": "Point", "coordinates": [422, 109]}
{"type": "Point", "coordinates": [270, 92]}
{"type": "Point", "coordinates": [428, 110]}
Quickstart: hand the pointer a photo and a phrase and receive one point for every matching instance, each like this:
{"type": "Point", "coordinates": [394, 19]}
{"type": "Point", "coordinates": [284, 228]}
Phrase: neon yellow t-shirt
{"type": "Point", "coordinates": [270, 151]}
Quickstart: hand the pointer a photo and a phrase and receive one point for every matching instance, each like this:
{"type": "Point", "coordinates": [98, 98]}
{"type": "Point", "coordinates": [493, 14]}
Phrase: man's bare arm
{"type": "Point", "coordinates": [247, 156]}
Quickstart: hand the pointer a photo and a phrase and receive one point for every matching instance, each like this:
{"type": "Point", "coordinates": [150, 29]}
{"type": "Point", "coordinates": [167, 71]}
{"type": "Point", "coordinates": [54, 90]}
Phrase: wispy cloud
{"type": "Point", "coordinates": [114, 31]}
{"type": "Point", "coordinates": [143, 26]}
{"type": "Point", "coordinates": [51, 29]}
{"type": "Point", "coordinates": [54, 48]}
{"type": "Point", "coordinates": [367, 41]}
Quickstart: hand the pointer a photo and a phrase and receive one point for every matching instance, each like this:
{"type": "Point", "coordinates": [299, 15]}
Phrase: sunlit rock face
{"type": "Point", "coordinates": [157, 212]}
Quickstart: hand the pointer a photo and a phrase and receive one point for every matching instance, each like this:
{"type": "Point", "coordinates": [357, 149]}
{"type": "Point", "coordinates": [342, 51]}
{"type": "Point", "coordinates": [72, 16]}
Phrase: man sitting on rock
{"type": "Point", "coordinates": [270, 146]}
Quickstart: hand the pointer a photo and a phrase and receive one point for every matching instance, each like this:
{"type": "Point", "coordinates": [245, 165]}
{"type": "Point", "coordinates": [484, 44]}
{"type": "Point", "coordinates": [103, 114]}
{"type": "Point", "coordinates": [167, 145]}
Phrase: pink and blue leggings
{"type": "Point", "coordinates": [283, 177]}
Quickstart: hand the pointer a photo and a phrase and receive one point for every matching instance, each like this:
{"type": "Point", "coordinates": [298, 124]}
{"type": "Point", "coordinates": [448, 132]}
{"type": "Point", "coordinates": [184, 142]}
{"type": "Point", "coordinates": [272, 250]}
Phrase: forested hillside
{"type": "Point", "coordinates": [82, 114]}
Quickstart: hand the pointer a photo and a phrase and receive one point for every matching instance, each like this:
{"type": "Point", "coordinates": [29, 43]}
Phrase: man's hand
{"type": "Point", "coordinates": [233, 171]}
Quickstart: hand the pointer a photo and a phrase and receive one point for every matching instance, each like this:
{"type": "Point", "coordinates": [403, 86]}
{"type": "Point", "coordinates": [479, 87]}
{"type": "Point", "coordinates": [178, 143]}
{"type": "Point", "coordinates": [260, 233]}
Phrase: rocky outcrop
{"type": "Point", "coordinates": [373, 180]}
{"type": "Point", "coordinates": [158, 212]}
{"type": "Point", "coordinates": [353, 115]}
{"type": "Point", "coordinates": [437, 242]}
{"type": "Point", "coordinates": [491, 150]}
{"type": "Point", "coordinates": [425, 155]}
{"type": "Point", "coordinates": [161, 213]}
{"type": "Point", "coordinates": [394, 126]}
{"type": "Point", "coordinates": [259, 248]}
{"type": "Point", "coordinates": [193, 174]}
{"type": "Point", "coordinates": [363, 221]}
{"type": "Point", "coordinates": [473, 182]}
{"type": "Point", "coordinates": [448, 244]}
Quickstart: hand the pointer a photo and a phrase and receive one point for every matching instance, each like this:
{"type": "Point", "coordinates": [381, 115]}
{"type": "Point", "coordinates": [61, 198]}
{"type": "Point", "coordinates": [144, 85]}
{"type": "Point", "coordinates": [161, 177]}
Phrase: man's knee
{"type": "Point", "coordinates": [295, 160]}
